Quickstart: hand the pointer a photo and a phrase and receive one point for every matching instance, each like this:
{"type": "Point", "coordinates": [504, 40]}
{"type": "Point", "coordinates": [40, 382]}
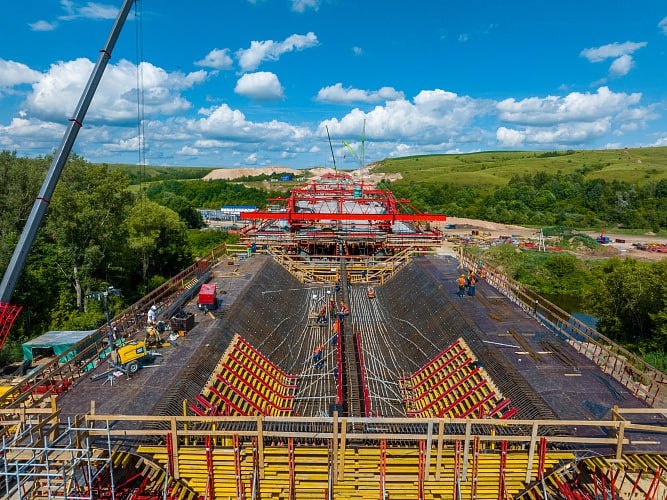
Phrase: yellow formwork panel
{"type": "Point", "coordinates": [361, 472]}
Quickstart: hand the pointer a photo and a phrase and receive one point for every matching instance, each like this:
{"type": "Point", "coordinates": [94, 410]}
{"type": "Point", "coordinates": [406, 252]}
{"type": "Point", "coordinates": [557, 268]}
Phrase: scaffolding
{"type": "Point", "coordinates": [43, 458]}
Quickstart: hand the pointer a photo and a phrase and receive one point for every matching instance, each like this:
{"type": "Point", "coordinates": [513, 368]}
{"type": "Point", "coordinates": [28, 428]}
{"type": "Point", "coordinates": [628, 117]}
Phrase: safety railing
{"type": "Point", "coordinates": [646, 382]}
{"type": "Point", "coordinates": [436, 433]}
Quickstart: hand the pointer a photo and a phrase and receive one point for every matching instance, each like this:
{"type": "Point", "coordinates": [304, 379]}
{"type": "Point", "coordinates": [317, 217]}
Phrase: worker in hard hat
{"type": "Point", "coordinates": [318, 361]}
{"type": "Point", "coordinates": [322, 315]}
{"type": "Point", "coordinates": [461, 282]}
{"type": "Point", "coordinates": [472, 281]}
{"type": "Point", "coordinates": [152, 315]}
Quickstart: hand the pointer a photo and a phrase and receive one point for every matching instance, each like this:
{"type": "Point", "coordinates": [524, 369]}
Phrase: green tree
{"type": "Point", "coordinates": [630, 299]}
{"type": "Point", "coordinates": [86, 222]}
{"type": "Point", "coordinates": [159, 237]}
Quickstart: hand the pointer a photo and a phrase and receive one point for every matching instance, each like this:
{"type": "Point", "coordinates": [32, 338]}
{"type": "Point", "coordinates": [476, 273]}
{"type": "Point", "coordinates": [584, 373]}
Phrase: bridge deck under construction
{"type": "Point", "coordinates": [409, 322]}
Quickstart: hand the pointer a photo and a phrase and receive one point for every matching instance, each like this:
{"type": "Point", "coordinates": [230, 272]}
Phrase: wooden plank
{"type": "Point", "coordinates": [334, 458]}
{"type": "Point", "coordinates": [531, 453]}
{"type": "Point", "coordinates": [429, 444]}
{"type": "Point", "coordinates": [466, 453]}
{"type": "Point", "coordinates": [174, 447]}
{"type": "Point", "coordinates": [438, 462]}
{"type": "Point", "coordinates": [260, 446]}
{"type": "Point", "coordinates": [343, 448]}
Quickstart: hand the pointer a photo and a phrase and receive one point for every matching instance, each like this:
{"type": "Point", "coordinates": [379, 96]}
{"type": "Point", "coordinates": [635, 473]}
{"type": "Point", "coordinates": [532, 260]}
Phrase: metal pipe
{"type": "Point", "coordinates": [27, 239]}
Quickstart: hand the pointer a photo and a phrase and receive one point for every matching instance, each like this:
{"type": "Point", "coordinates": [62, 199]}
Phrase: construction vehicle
{"type": "Point", "coordinates": [602, 239]}
{"type": "Point", "coordinates": [131, 356]}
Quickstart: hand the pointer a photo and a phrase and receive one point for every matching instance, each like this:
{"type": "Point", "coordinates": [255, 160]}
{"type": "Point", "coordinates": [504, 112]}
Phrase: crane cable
{"type": "Point", "coordinates": [139, 48]}
{"type": "Point", "coordinates": [141, 142]}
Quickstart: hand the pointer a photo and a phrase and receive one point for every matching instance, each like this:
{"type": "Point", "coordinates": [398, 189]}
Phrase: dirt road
{"type": "Point", "coordinates": [466, 226]}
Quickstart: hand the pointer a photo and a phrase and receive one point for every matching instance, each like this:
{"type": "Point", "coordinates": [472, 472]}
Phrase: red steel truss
{"type": "Point", "coordinates": [342, 200]}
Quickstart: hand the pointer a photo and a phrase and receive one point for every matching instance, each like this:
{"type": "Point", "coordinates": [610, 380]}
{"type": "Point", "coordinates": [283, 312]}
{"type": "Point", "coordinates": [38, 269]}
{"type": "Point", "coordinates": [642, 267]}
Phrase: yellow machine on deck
{"type": "Point", "coordinates": [132, 356]}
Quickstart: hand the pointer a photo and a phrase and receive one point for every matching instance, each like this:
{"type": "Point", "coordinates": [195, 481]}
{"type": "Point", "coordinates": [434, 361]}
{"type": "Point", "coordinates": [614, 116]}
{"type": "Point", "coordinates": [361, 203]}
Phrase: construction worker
{"type": "Point", "coordinates": [318, 361]}
{"type": "Point", "coordinates": [332, 306]}
{"type": "Point", "coordinates": [152, 315]}
{"type": "Point", "coordinates": [322, 315]}
{"type": "Point", "coordinates": [472, 280]}
{"type": "Point", "coordinates": [334, 332]}
{"type": "Point", "coordinates": [344, 310]}
{"type": "Point", "coordinates": [461, 282]}
{"type": "Point", "coordinates": [248, 247]}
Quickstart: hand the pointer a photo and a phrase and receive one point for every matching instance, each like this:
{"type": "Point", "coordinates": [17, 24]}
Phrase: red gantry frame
{"type": "Point", "coordinates": [336, 207]}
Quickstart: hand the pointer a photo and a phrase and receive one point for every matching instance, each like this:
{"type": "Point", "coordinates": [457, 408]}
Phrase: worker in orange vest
{"type": "Point", "coordinates": [317, 356]}
{"type": "Point", "coordinates": [461, 282]}
{"type": "Point", "coordinates": [472, 280]}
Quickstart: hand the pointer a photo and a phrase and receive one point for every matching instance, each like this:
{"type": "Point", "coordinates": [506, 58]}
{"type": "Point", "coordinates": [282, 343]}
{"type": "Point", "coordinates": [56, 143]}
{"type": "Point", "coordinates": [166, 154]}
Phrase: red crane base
{"type": "Point", "coordinates": [8, 314]}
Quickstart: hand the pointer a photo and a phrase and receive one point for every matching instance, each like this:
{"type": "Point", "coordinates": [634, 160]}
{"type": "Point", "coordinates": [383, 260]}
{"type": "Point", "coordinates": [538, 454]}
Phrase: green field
{"type": "Point", "coordinates": [138, 174]}
{"type": "Point", "coordinates": [636, 166]}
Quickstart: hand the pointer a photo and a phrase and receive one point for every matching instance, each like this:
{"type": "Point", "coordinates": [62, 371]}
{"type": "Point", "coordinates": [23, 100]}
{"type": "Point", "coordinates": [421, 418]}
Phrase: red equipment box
{"type": "Point", "coordinates": [207, 299]}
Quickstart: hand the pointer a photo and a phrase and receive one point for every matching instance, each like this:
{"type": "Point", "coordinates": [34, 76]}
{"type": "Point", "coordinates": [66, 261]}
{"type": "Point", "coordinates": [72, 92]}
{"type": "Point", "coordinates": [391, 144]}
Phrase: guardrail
{"type": "Point", "coordinates": [56, 376]}
{"type": "Point", "coordinates": [646, 382]}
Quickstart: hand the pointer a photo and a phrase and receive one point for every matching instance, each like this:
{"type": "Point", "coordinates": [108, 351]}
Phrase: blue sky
{"type": "Point", "coordinates": [257, 82]}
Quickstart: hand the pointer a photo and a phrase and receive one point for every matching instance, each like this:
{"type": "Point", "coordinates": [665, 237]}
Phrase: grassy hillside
{"type": "Point", "coordinates": [150, 173]}
{"type": "Point", "coordinates": [497, 168]}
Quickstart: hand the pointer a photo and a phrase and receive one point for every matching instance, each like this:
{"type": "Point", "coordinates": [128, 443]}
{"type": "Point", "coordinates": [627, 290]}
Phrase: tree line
{"type": "Point", "coordinates": [543, 199]}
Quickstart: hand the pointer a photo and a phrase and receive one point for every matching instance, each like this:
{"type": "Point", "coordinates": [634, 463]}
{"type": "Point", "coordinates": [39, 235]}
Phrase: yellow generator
{"type": "Point", "coordinates": [132, 356]}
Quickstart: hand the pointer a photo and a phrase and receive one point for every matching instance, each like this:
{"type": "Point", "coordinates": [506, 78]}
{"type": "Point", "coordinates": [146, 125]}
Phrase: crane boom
{"type": "Point", "coordinates": [17, 262]}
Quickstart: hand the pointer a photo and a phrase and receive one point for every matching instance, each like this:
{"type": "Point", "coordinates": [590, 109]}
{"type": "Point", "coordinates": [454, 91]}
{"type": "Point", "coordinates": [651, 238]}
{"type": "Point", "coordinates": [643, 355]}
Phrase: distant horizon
{"type": "Point", "coordinates": [352, 168]}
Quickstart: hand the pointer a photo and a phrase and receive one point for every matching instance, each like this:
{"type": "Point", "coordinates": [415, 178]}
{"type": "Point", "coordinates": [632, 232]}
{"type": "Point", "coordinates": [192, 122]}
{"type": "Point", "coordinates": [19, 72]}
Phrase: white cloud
{"type": "Point", "coordinates": [564, 134]}
{"type": "Point", "coordinates": [131, 144]}
{"type": "Point", "coordinates": [73, 11]}
{"type": "Point", "coordinates": [227, 124]}
{"type": "Point", "coordinates": [260, 86]}
{"type": "Point", "coordinates": [663, 25]}
{"type": "Point", "coordinates": [213, 143]}
{"type": "Point", "coordinates": [612, 50]}
{"type": "Point", "coordinates": [510, 138]}
{"type": "Point", "coordinates": [463, 37]}
{"type": "Point", "coordinates": [302, 5]}
{"type": "Point", "coordinates": [31, 134]}
{"type": "Point", "coordinates": [433, 116]}
{"type": "Point", "coordinates": [621, 66]}
{"type": "Point", "coordinates": [91, 10]}
{"type": "Point", "coordinates": [14, 73]}
{"type": "Point", "coordinates": [217, 58]}
{"type": "Point", "coordinates": [575, 106]}
{"type": "Point", "coordinates": [576, 119]}
{"type": "Point", "coordinates": [620, 52]}
{"type": "Point", "coordinates": [251, 159]}
{"type": "Point", "coordinates": [314, 149]}
{"type": "Point", "coordinates": [661, 141]}
{"type": "Point", "coordinates": [358, 51]}
{"type": "Point", "coordinates": [55, 95]}
{"type": "Point", "coordinates": [187, 151]}
{"type": "Point", "coordinates": [268, 50]}
{"type": "Point", "coordinates": [339, 95]}
{"type": "Point", "coordinates": [42, 25]}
